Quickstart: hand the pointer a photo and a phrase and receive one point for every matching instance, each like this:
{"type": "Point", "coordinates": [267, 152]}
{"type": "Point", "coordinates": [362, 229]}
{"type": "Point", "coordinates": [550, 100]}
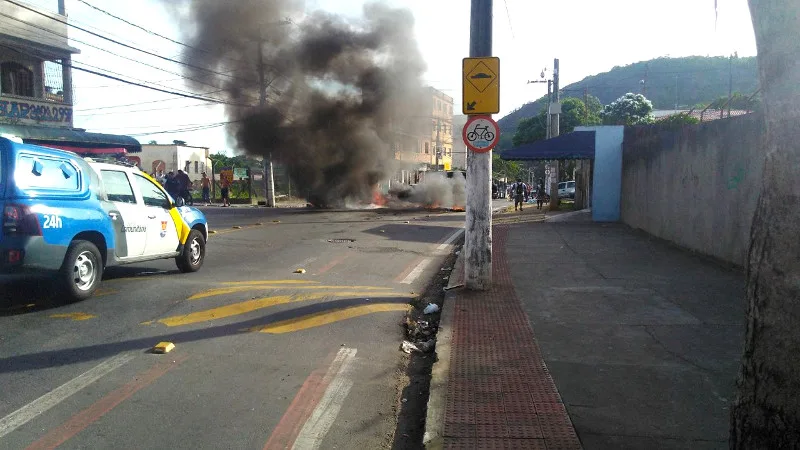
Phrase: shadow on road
{"type": "Point", "coordinates": [56, 358]}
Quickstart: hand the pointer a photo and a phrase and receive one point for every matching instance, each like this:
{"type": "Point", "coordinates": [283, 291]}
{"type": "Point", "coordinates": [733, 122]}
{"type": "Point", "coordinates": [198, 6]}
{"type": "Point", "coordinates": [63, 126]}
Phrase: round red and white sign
{"type": "Point", "coordinates": [481, 133]}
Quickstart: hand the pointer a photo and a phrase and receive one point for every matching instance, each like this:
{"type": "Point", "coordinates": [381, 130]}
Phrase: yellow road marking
{"type": "Point", "coordinates": [328, 317]}
{"type": "Point", "coordinates": [244, 288]}
{"type": "Point", "coordinates": [101, 292]}
{"type": "Point", "coordinates": [236, 228]}
{"type": "Point", "coordinates": [73, 316]}
{"type": "Point", "coordinates": [260, 303]}
{"type": "Point", "coordinates": [271, 282]}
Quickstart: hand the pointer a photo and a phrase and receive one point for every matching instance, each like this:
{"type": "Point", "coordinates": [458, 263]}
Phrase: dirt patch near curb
{"type": "Point", "coordinates": [414, 385]}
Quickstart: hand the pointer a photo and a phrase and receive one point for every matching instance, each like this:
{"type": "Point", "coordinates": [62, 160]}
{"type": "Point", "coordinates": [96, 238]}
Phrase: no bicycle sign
{"type": "Point", "coordinates": [481, 133]}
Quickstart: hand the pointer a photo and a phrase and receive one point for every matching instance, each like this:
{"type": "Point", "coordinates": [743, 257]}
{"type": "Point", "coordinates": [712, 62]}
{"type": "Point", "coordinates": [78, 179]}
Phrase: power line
{"type": "Point", "coordinates": [194, 105]}
{"type": "Point", "coordinates": [122, 43]}
{"type": "Point", "coordinates": [108, 51]}
{"type": "Point", "coordinates": [508, 14]}
{"type": "Point", "coordinates": [180, 94]}
{"type": "Point", "coordinates": [150, 31]}
{"type": "Point", "coordinates": [184, 130]}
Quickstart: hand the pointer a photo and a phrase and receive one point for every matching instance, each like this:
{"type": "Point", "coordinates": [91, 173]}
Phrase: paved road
{"type": "Point", "coordinates": [264, 357]}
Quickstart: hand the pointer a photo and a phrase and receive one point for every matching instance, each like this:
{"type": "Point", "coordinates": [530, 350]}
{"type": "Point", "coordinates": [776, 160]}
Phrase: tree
{"type": "Point", "coordinates": [678, 120]}
{"type": "Point", "coordinates": [766, 412]}
{"type": "Point", "coordinates": [630, 109]}
{"type": "Point", "coordinates": [738, 101]}
{"type": "Point", "coordinates": [152, 143]}
{"type": "Point", "coordinates": [505, 169]}
{"type": "Point", "coordinates": [573, 113]}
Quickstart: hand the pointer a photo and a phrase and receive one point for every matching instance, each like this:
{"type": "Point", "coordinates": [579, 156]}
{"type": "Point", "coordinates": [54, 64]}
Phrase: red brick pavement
{"type": "Point", "coordinates": [499, 392]}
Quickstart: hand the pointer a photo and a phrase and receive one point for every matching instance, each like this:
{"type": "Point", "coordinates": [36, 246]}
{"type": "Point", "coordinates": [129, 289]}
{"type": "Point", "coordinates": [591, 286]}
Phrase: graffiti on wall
{"type": "Point", "coordinates": [32, 113]}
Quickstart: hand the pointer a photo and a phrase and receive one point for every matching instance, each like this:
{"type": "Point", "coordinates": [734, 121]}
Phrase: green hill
{"type": "Point", "coordinates": [699, 80]}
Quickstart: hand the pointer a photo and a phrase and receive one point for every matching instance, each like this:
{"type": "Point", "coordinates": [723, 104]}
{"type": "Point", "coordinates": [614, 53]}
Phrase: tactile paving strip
{"type": "Point", "coordinates": [499, 392]}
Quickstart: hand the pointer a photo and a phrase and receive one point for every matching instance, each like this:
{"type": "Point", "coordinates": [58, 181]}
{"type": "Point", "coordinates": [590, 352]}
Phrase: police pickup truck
{"type": "Point", "coordinates": [73, 217]}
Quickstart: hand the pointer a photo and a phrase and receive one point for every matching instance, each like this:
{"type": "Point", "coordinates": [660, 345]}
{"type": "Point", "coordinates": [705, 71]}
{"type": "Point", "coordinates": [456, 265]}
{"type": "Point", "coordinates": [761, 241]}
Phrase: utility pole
{"type": "Point", "coordinates": [644, 82]}
{"type": "Point", "coordinates": [730, 84]}
{"type": "Point", "coordinates": [555, 110]}
{"type": "Point", "coordinates": [269, 176]}
{"type": "Point", "coordinates": [676, 94]}
{"type": "Point", "coordinates": [66, 67]}
{"type": "Point", "coordinates": [438, 142]}
{"type": "Point", "coordinates": [478, 227]}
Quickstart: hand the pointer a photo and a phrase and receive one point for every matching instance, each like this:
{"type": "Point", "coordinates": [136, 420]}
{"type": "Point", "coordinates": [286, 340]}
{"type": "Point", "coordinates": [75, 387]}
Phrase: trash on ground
{"type": "Point", "coordinates": [455, 286]}
{"type": "Point", "coordinates": [427, 346]}
{"type": "Point", "coordinates": [431, 308]}
{"type": "Point", "coordinates": [409, 347]}
{"type": "Point", "coordinates": [300, 271]}
{"type": "Point", "coordinates": [163, 347]}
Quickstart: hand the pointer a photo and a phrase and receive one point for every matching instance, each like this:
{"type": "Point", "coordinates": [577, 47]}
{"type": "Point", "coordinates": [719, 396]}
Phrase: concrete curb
{"type": "Point", "coordinates": [434, 420]}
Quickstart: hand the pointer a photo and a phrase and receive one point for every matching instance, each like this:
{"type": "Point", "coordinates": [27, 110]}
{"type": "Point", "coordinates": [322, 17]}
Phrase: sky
{"type": "Point", "coordinates": [587, 36]}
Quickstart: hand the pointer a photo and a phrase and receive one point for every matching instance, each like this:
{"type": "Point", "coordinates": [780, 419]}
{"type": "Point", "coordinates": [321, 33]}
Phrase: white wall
{"type": "Point", "coordinates": [175, 157]}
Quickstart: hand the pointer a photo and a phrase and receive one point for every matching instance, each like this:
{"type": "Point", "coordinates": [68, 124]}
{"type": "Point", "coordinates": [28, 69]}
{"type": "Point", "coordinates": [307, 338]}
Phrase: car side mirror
{"type": "Point", "coordinates": [180, 202]}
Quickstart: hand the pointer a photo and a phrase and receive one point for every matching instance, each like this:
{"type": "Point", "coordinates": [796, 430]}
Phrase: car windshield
{"type": "Point", "coordinates": [571, 184]}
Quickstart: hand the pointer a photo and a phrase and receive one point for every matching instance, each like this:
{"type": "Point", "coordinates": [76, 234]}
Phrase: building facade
{"type": "Point", "coordinates": [459, 147]}
{"type": "Point", "coordinates": [425, 142]}
{"type": "Point", "coordinates": [172, 157]}
{"type": "Point", "coordinates": [36, 99]}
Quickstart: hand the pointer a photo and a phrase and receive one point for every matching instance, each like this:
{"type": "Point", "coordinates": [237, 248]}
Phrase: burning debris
{"type": "Point", "coordinates": [437, 190]}
{"type": "Point", "coordinates": [336, 87]}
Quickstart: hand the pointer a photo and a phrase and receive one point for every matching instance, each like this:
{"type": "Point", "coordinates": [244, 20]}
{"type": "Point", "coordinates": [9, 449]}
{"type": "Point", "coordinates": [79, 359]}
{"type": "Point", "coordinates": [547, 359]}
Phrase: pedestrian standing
{"type": "Point", "coordinates": [184, 184]}
{"type": "Point", "coordinates": [225, 185]}
{"type": "Point", "coordinates": [205, 182]}
{"type": "Point", "coordinates": [172, 185]}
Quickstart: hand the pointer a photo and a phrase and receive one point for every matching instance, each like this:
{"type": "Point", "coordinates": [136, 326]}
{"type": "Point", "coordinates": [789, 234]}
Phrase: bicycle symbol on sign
{"type": "Point", "coordinates": [480, 132]}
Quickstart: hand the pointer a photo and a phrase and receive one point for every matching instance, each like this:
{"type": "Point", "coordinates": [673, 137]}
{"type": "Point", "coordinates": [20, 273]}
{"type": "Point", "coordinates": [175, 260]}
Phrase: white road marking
{"type": "Point", "coordinates": [450, 240]}
{"type": "Point", "coordinates": [305, 262]}
{"type": "Point", "coordinates": [414, 274]}
{"type": "Point", "coordinates": [323, 416]}
{"type": "Point", "coordinates": [23, 415]}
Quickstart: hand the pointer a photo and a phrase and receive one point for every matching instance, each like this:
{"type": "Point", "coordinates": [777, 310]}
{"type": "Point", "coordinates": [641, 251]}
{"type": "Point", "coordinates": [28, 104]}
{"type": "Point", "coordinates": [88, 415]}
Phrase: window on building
{"type": "Point", "coordinates": [197, 167]}
{"type": "Point", "coordinates": [427, 148]}
{"type": "Point", "coordinates": [16, 79]}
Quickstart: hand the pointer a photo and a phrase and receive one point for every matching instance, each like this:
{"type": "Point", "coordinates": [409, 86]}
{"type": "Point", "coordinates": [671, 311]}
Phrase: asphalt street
{"type": "Point", "coordinates": [264, 357]}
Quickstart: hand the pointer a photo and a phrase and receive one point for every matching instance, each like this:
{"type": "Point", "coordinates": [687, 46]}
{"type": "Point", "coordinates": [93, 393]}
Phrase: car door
{"type": "Point", "coordinates": [126, 214]}
{"type": "Point", "coordinates": [162, 236]}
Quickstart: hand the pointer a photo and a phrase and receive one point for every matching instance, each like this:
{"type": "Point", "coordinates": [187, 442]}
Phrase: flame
{"type": "Point", "coordinates": [457, 208]}
{"type": "Point", "coordinates": [378, 198]}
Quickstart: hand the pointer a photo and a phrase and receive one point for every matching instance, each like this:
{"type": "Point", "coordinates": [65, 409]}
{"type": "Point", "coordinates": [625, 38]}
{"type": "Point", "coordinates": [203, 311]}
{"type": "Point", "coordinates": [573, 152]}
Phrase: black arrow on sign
{"type": "Point", "coordinates": [471, 106]}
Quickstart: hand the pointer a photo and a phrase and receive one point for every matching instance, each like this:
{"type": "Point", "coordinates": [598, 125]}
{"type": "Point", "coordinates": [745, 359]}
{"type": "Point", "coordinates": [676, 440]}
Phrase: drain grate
{"type": "Point", "coordinates": [341, 241]}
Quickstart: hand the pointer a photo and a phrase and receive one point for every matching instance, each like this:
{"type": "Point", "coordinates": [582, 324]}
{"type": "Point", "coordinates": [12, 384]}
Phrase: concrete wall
{"type": "Point", "coordinates": [697, 185]}
{"type": "Point", "coordinates": [175, 157]}
{"type": "Point", "coordinates": [607, 175]}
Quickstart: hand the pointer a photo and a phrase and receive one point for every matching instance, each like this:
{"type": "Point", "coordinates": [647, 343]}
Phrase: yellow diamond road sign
{"type": "Point", "coordinates": [481, 85]}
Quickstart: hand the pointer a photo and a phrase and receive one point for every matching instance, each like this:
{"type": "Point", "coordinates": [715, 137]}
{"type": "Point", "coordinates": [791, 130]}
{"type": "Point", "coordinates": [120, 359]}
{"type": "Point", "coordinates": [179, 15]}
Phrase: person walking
{"type": "Point", "coordinates": [519, 190]}
{"type": "Point", "coordinates": [540, 194]}
{"type": "Point", "coordinates": [205, 183]}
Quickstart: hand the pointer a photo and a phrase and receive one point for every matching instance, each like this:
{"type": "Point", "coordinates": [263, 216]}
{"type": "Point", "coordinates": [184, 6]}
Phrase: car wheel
{"type": "Point", "coordinates": [194, 253]}
{"type": "Point", "coordinates": [81, 271]}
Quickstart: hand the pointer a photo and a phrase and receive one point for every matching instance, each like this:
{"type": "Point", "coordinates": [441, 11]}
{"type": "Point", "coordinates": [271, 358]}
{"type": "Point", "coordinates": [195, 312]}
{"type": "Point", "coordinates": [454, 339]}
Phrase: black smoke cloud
{"type": "Point", "coordinates": [337, 87]}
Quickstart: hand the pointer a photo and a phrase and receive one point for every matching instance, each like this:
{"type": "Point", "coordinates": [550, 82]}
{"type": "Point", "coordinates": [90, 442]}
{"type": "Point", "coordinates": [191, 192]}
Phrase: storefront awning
{"type": "Point", "coordinates": [71, 137]}
{"type": "Point", "coordinates": [575, 145]}
{"type": "Point", "coordinates": [88, 151]}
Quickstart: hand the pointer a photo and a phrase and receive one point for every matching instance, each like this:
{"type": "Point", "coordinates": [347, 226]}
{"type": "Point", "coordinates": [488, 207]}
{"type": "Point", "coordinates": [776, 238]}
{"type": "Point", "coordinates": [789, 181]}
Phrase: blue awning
{"type": "Point", "coordinates": [575, 145]}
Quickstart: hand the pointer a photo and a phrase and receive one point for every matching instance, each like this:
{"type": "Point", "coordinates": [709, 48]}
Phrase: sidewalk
{"type": "Point", "coordinates": [637, 345]}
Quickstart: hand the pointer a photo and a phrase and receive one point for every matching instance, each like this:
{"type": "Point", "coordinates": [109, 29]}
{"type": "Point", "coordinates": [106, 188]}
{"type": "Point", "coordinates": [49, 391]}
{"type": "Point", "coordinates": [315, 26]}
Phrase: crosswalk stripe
{"type": "Point", "coordinates": [28, 412]}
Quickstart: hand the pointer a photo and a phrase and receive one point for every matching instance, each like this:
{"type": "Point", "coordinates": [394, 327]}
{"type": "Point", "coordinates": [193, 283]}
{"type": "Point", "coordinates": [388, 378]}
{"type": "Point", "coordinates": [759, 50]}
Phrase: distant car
{"type": "Point", "coordinates": [566, 189]}
{"type": "Point", "coordinates": [73, 217]}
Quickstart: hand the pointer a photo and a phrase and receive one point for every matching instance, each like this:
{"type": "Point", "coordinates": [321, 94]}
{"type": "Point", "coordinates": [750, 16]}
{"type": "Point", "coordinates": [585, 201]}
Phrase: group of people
{"type": "Point", "coordinates": [521, 192]}
{"type": "Point", "coordinates": [180, 185]}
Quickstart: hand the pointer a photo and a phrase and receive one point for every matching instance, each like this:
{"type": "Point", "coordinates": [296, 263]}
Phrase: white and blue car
{"type": "Point", "coordinates": [73, 217]}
